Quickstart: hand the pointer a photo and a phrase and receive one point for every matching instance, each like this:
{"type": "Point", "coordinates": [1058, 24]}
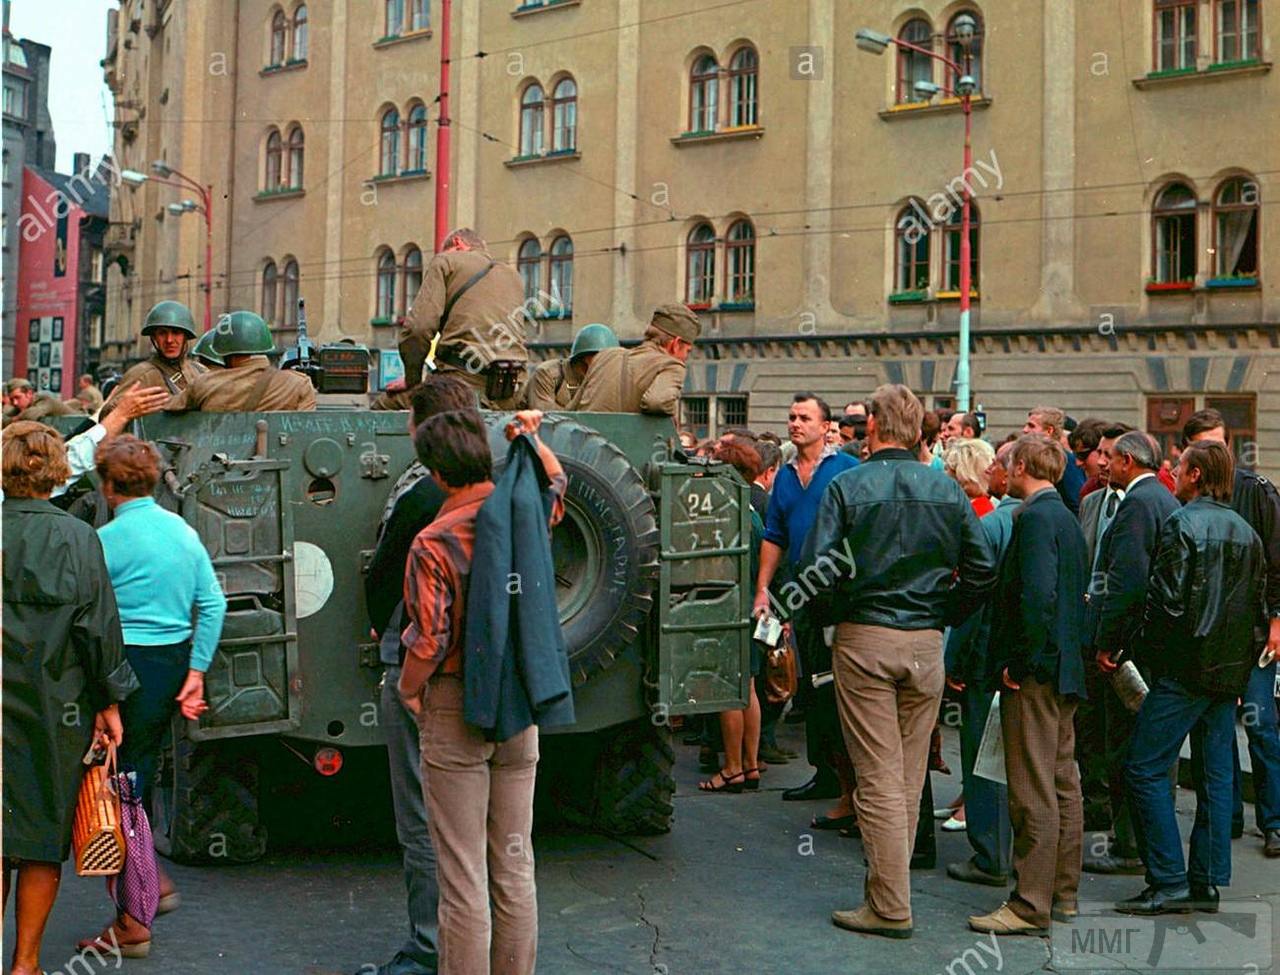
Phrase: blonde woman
{"type": "Point", "coordinates": [966, 463]}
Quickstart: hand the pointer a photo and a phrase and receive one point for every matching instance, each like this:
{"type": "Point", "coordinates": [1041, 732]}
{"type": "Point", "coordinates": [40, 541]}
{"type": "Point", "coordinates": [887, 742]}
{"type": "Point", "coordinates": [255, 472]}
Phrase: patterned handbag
{"type": "Point", "coordinates": [97, 836]}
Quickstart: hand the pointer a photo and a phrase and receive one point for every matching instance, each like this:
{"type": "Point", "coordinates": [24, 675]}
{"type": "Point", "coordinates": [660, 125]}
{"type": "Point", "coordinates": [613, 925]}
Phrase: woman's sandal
{"type": "Point", "coordinates": [728, 783]}
{"type": "Point", "coordinates": [750, 784]}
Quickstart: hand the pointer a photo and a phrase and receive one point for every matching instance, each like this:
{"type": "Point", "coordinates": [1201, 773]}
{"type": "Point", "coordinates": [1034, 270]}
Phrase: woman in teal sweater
{"type": "Point", "coordinates": [163, 578]}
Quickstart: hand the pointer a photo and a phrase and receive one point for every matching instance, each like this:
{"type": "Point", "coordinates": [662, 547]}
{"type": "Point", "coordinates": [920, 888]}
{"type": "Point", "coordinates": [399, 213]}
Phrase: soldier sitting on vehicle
{"type": "Point", "coordinates": [170, 327]}
{"type": "Point", "coordinates": [476, 305]}
{"type": "Point", "coordinates": [203, 350]}
{"type": "Point", "coordinates": [554, 383]}
{"type": "Point", "coordinates": [249, 383]}
{"type": "Point", "coordinates": [25, 403]}
{"type": "Point", "coordinates": [648, 378]}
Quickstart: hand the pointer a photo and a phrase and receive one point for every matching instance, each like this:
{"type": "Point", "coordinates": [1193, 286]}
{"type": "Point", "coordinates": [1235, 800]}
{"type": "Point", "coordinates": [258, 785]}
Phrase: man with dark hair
{"type": "Point", "coordinates": [1097, 511]}
{"type": "Point", "coordinates": [476, 305]}
{"type": "Point", "coordinates": [1205, 618]}
{"type": "Point", "coordinates": [1255, 499]}
{"type": "Point", "coordinates": [1116, 592]}
{"type": "Point", "coordinates": [479, 792]}
{"type": "Point", "coordinates": [414, 502]}
{"type": "Point", "coordinates": [922, 563]}
{"type": "Point", "coordinates": [793, 504]}
{"type": "Point", "coordinates": [1083, 442]}
{"type": "Point", "coordinates": [1038, 629]}
{"type": "Point", "coordinates": [961, 426]}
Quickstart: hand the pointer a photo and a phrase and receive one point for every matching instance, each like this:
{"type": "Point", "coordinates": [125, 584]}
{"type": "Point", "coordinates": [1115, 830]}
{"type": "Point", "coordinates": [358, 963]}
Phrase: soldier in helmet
{"type": "Point", "coordinates": [203, 349]}
{"type": "Point", "coordinates": [249, 383]}
{"type": "Point", "coordinates": [170, 327]}
{"type": "Point", "coordinates": [648, 378]}
{"type": "Point", "coordinates": [555, 382]}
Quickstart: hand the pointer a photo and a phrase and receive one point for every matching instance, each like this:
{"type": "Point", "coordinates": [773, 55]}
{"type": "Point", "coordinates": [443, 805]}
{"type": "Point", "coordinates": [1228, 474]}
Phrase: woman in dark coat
{"type": "Point", "coordinates": [64, 671]}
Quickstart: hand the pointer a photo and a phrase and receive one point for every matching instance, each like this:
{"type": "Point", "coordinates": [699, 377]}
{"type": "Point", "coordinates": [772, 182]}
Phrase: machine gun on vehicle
{"type": "Point", "coordinates": [335, 367]}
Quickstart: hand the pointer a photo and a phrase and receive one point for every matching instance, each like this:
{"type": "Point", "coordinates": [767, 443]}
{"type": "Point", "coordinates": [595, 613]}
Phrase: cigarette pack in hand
{"type": "Point", "coordinates": [768, 630]}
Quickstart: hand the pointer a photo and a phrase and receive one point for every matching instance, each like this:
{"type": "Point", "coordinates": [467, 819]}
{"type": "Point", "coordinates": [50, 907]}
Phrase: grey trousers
{"type": "Point", "coordinates": [404, 758]}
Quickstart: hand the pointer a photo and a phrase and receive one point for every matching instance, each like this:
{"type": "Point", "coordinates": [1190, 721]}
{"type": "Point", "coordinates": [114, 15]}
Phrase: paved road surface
{"type": "Point", "coordinates": [741, 885]}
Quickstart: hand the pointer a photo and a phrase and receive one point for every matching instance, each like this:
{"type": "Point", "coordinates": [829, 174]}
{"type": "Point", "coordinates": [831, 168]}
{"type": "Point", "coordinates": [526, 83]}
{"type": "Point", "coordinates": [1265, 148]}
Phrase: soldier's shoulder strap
{"type": "Point", "coordinates": [466, 286]}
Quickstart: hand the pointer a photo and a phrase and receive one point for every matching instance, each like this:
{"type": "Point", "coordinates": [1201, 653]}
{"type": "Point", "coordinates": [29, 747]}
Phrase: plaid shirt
{"type": "Point", "coordinates": [437, 573]}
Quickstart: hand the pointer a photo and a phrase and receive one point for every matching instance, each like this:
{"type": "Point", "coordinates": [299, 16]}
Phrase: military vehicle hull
{"type": "Point", "coordinates": [652, 567]}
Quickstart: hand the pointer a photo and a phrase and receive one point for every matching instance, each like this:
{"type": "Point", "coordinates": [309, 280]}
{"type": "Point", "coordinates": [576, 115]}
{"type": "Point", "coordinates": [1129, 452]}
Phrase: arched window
{"type": "Point", "coordinates": [1235, 25]}
{"type": "Point", "coordinates": [1173, 219]}
{"type": "Point", "coordinates": [1175, 34]}
{"type": "Point", "coordinates": [289, 313]}
{"type": "Point", "coordinates": [275, 168]}
{"type": "Point", "coordinates": [279, 38]}
{"type": "Point", "coordinates": [740, 255]}
{"type": "Point", "coordinates": [395, 17]}
{"type": "Point", "coordinates": [704, 94]}
{"type": "Point", "coordinates": [951, 256]}
{"type": "Point", "coordinates": [389, 149]}
{"type": "Point", "coordinates": [744, 72]}
{"type": "Point", "coordinates": [412, 277]}
{"type": "Point", "coordinates": [386, 304]}
{"type": "Point", "coordinates": [914, 66]}
{"type": "Point", "coordinates": [700, 286]}
{"type": "Point", "coordinates": [562, 276]}
{"type": "Point", "coordinates": [968, 56]}
{"type": "Point", "coordinates": [911, 250]}
{"type": "Point", "coordinates": [529, 264]}
{"type": "Point", "coordinates": [531, 121]}
{"type": "Point", "coordinates": [269, 292]}
{"type": "Point", "coordinates": [300, 33]}
{"type": "Point", "coordinates": [564, 116]}
{"type": "Point", "coordinates": [417, 137]}
{"type": "Point", "coordinates": [295, 157]}
{"type": "Point", "coordinates": [1235, 224]}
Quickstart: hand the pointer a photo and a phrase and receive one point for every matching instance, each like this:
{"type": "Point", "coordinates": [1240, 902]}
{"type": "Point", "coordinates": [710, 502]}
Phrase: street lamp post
{"type": "Point", "coordinates": [169, 176]}
{"type": "Point", "coordinates": [964, 27]}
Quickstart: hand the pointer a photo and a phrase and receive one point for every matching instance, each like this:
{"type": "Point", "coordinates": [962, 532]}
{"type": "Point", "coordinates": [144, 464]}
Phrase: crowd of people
{"type": "Point", "coordinates": [1119, 601]}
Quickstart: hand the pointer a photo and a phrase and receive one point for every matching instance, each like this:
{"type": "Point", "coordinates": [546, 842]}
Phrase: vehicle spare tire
{"type": "Point", "coordinates": [606, 548]}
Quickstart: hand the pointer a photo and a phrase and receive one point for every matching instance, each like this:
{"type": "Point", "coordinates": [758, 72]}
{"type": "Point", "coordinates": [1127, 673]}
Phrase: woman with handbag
{"type": "Point", "coordinates": [64, 672]}
{"type": "Point", "coordinates": [163, 579]}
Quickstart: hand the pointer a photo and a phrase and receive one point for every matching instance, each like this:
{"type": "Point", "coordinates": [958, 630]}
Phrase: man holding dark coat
{"type": "Point", "coordinates": [1038, 626]}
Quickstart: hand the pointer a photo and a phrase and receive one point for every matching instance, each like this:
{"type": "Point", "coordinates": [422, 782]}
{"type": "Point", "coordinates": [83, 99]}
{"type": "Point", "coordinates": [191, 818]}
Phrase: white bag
{"type": "Point", "coordinates": [989, 763]}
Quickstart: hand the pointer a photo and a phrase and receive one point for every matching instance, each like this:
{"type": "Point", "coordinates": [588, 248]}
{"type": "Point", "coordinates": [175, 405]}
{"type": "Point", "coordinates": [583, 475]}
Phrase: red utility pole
{"type": "Point", "coordinates": [442, 139]}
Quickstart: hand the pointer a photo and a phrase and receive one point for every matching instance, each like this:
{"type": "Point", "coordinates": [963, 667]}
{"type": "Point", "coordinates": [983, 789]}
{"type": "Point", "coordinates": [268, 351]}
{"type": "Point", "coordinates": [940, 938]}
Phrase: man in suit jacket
{"type": "Point", "coordinates": [1117, 592]}
{"type": "Point", "coordinates": [1097, 512]}
{"type": "Point", "coordinates": [1038, 631]}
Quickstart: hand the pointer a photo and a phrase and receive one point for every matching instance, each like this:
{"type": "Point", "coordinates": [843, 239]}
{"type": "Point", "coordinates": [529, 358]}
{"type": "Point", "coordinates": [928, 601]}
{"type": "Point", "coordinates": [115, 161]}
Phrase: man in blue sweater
{"type": "Point", "coordinates": [793, 504]}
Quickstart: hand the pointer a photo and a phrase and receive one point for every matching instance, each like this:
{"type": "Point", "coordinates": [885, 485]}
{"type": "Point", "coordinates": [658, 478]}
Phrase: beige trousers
{"type": "Point", "coordinates": [479, 797]}
{"type": "Point", "coordinates": [888, 687]}
{"type": "Point", "coordinates": [1045, 807]}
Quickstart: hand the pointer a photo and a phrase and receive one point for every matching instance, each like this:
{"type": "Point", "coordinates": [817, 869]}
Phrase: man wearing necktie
{"type": "Point", "coordinates": [1097, 511]}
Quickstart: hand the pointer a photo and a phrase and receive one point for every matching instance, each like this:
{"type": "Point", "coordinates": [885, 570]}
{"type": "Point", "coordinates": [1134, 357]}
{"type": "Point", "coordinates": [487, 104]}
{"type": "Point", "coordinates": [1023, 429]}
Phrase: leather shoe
{"type": "Point", "coordinates": [1271, 843]}
{"type": "Point", "coordinates": [1109, 864]}
{"type": "Point", "coordinates": [1204, 897]}
{"type": "Point", "coordinates": [970, 873]}
{"type": "Point", "coordinates": [1153, 901]}
{"type": "Point", "coordinates": [816, 788]}
{"type": "Point", "coordinates": [774, 756]}
{"type": "Point", "coordinates": [401, 964]}
{"type": "Point", "coordinates": [1004, 920]}
{"type": "Point", "coordinates": [1065, 912]}
{"type": "Point", "coordinates": [866, 921]}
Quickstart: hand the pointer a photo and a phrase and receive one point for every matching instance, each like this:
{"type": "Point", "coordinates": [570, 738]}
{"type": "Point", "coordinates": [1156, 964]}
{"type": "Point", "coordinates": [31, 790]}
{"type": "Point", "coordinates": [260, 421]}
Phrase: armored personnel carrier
{"type": "Point", "coordinates": [654, 596]}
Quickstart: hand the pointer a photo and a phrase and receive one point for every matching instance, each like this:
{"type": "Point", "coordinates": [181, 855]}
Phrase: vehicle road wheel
{"type": "Point", "coordinates": [634, 783]}
{"type": "Point", "coordinates": [206, 803]}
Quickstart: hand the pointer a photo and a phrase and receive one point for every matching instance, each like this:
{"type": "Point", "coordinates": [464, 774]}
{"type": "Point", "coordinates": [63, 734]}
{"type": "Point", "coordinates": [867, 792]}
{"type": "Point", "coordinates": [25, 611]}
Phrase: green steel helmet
{"type": "Point", "coordinates": [242, 333]}
{"type": "Point", "coordinates": [593, 338]}
{"type": "Point", "coordinates": [169, 314]}
{"type": "Point", "coordinates": [203, 349]}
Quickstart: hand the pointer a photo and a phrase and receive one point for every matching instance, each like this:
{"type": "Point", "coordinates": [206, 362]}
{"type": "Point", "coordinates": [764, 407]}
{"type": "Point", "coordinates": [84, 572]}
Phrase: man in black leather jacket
{"type": "Point", "coordinates": [1256, 500]}
{"type": "Point", "coordinates": [1203, 624]}
{"type": "Point", "coordinates": [909, 530]}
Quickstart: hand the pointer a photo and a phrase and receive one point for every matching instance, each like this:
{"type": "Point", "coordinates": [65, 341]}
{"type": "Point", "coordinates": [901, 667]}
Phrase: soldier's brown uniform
{"type": "Point", "coordinates": [91, 397]}
{"type": "Point", "coordinates": [46, 405]}
{"type": "Point", "coordinates": [153, 372]}
{"type": "Point", "coordinates": [551, 386]}
{"type": "Point", "coordinates": [486, 324]}
{"type": "Point", "coordinates": [255, 387]}
{"type": "Point", "coordinates": [644, 379]}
